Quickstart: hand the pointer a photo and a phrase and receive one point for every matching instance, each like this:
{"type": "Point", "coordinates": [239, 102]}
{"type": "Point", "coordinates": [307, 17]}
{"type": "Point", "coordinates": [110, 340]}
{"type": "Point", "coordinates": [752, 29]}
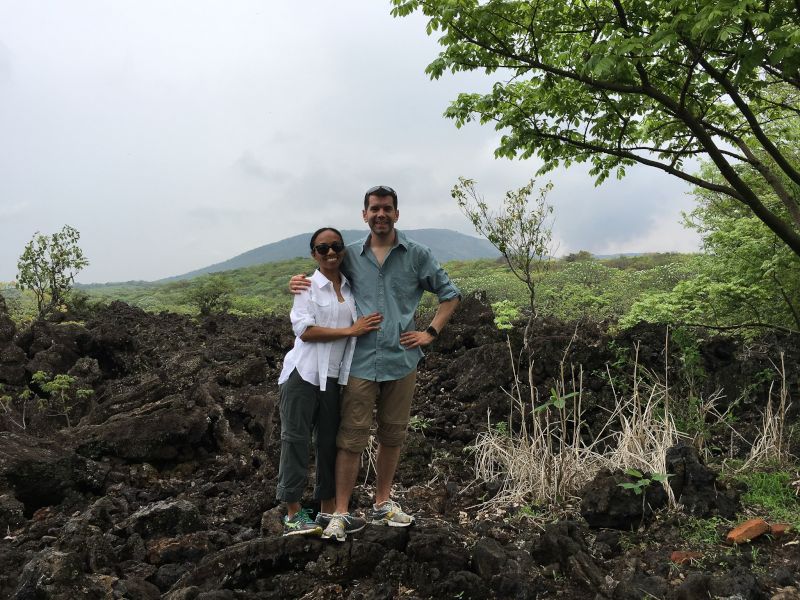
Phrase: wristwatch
{"type": "Point", "coordinates": [431, 330]}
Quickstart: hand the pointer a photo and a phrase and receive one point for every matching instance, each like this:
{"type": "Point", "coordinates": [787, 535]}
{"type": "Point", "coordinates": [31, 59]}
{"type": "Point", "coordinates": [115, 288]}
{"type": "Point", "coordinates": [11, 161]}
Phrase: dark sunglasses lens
{"type": "Point", "coordinates": [324, 248]}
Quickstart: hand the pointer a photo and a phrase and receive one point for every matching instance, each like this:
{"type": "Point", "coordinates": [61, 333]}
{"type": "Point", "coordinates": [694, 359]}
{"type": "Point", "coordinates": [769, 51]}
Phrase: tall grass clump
{"type": "Point", "coordinates": [771, 446]}
{"type": "Point", "coordinates": [547, 453]}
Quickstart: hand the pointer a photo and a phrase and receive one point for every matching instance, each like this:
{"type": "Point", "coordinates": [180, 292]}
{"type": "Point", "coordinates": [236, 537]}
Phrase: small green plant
{"type": "Point", "coordinates": [505, 313]}
{"type": "Point", "coordinates": [772, 492]}
{"type": "Point", "coordinates": [211, 294]}
{"type": "Point", "coordinates": [522, 229]}
{"type": "Point", "coordinates": [62, 393]}
{"type": "Point", "coordinates": [48, 266]}
{"type": "Point", "coordinates": [7, 407]}
{"type": "Point", "coordinates": [529, 511]}
{"type": "Point", "coordinates": [641, 482]}
{"type": "Point", "coordinates": [419, 424]}
{"type": "Point", "coordinates": [500, 428]}
{"type": "Point", "coordinates": [691, 360]}
{"type": "Point", "coordinates": [703, 531]}
{"type": "Point", "coordinates": [555, 400]}
{"type": "Point", "coordinates": [618, 371]}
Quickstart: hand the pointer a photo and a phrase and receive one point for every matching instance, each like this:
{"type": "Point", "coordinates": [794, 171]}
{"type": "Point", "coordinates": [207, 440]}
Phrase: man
{"type": "Point", "coordinates": [389, 274]}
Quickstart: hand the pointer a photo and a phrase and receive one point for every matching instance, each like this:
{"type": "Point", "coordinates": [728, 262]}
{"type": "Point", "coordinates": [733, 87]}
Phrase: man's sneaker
{"type": "Point", "coordinates": [323, 519]}
{"type": "Point", "coordinates": [352, 523]}
{"type": "Point", "coordinates": [300, 524]}
{"type": "Point", "coordinates": [342, 524]}
{"type": "Point", "coordinates": [389, 513]}
{"type": "Point", "coordinates": [335, 529]}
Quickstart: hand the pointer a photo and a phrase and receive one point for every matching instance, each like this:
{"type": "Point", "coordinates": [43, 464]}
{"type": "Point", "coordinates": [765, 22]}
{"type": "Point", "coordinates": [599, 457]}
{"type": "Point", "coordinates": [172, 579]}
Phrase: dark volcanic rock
{"type": "Point", "coordinates": [56, 576]}
{"type": "Point", "coordinates": [641, 586]}
{"type": "Point", "coordinates": [12, 365]}
{"type": "Point", "coordinates": [488, 558]}
{"type": "Point", "coordinates": [472, 326]}
{"type": "Point", "coordinates": [510, 572]}
{"type": "Point", "coordinates": [165, 518]}
{"type": "Point", "coordinates": [169, 429]}
{"type": "Point", "coordinates": [471, 374]}
{"type": "Point", "coordinates": [179, 495]}
{"type": "Point", "coordinates": [42, 473]}
{"type": "Point", "coordinates": [54, 347]}
{"type": "Point", "coordinates": [604, 503]}
{"type": "Point", "coordinates": [7, 327]}
{"type": "Point", "coordinates": [739, 583]}
{"type": "Point", "coordinates": [191, 547]}
{"type": "Point", "coordinates": [249, 371]}
{"type": "Point", "coordinates": [562, 548]}
{"type": "Point", "coordinates": [12, 513]}
{"type": "Point", "coordinates": [437, 548]}
{"type": "Point", "coordinates": [695, 485]}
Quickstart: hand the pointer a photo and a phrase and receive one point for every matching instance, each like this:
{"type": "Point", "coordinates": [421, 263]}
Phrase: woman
{"type": "Point", "coordinates": [325, 323]}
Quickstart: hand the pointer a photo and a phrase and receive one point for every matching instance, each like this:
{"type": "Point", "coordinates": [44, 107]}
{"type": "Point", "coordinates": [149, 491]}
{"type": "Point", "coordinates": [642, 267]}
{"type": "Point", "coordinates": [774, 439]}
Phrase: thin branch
{"type": "Point", "coordinates": [744, 108]}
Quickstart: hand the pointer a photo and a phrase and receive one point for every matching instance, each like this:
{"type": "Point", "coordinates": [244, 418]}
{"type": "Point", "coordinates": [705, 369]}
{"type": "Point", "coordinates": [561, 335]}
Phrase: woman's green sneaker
{"type": "Point", "coordinates": [300, 524]}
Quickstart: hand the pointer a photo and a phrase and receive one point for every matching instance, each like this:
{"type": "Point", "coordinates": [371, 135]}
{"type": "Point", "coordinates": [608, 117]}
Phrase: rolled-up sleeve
{"type": "Point", "coordinates": [433, 278]}
{"type": "Point", "coordinates": [302, 318]}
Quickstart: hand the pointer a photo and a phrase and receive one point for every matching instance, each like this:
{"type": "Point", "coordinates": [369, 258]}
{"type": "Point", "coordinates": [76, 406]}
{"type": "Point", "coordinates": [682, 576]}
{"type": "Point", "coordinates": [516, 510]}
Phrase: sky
{"type": "Point", "coordinates": [178, 134]}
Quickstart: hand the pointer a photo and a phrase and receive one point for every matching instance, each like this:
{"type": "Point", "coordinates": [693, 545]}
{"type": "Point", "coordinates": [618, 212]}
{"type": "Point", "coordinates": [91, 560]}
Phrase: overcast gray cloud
{"type": "Point", "coordinates": [178, 134]}
{"type": "Point", "coordinates": [253, 167]}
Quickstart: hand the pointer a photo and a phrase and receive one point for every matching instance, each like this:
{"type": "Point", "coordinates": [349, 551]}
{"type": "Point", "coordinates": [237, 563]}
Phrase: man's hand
{"type": "Point", "coordinates": [299, 283]}
{"type": "Point", "coordinates": [366, 324]}
{"type": "Point", "coordinates": [415, 339]}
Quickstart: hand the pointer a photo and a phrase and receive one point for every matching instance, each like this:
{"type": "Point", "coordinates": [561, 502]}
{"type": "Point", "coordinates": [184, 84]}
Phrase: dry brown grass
{"type": "Point", "coordinates": [546, 459]}
{"type": "Point", "coordinates": [771, 446]}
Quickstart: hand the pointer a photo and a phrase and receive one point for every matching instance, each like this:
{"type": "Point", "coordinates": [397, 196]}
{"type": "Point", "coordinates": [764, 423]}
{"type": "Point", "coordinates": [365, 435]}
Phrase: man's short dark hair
{"type": "Point", "coordinates": [381, 191]}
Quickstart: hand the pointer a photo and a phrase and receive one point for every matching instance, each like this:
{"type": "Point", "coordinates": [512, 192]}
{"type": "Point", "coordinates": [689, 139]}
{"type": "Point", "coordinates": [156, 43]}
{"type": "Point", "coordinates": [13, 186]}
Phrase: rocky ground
{"type": "Point", "coordinates": [163, 483]}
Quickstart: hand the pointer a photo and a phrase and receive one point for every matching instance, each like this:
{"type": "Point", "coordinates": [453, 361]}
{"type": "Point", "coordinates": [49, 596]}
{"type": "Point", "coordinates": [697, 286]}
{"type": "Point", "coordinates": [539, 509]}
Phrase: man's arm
{"type": "Point", "coordinates": [299, 283]}
{"type": "Point", "coordinates": [445, 310]}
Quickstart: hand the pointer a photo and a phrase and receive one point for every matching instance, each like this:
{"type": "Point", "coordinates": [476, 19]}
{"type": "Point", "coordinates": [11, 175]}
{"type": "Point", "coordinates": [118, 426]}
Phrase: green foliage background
{"type": "Point", "coordinates": [588, 288]}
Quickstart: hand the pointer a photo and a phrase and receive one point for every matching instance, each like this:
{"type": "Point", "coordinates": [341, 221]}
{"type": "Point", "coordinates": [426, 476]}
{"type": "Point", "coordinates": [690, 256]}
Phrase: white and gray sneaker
{"type": "Point", "coordinates": [389, 513]}
{"type": "Point", "coordinates": [341, 524]}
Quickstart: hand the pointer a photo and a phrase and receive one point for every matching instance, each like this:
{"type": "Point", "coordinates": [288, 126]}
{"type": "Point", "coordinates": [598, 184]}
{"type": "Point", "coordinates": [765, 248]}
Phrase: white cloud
{"type": "Point", "coordinates": [13, 210]}
{"type": "Point", "coordinates": [178, 134]}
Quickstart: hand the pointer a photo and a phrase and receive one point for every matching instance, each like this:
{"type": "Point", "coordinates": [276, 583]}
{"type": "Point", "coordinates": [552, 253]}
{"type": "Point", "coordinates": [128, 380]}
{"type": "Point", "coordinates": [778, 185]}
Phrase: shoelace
{"type": "Point", "coordinates": [391, 505]}
{"type": "Point", "coordinates": [302, 515]}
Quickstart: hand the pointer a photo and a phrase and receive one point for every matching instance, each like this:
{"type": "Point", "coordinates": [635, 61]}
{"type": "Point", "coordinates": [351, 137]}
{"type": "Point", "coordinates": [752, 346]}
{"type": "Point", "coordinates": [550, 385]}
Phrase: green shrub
{"type": "Point", "coordinates": [772, 492]}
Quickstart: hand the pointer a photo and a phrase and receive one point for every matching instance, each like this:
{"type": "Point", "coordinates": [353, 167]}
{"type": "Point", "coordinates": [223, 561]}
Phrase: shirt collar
{"type": "Point", "coordinates": [322, 281]}
{"type": "Point", "coordinates": [400, 240]}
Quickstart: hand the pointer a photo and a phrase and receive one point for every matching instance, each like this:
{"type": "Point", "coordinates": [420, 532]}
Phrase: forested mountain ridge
{"type": "Point", "coordinates": [446, 245]}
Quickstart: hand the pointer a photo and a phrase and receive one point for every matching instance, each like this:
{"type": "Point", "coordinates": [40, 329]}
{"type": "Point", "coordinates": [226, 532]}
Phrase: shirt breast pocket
{"type": "Point", "coordinates": [405, 286]}
{"type": "Point", "coordinates": [321, 307]}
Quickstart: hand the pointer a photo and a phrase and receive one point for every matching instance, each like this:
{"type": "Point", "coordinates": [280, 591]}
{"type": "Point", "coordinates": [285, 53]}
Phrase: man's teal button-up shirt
{"type": "Point", "coordinates": [393, 289]}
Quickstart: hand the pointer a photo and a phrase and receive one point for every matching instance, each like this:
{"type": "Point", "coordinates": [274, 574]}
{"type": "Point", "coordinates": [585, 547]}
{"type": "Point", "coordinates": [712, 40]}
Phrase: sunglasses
{"type": "Point", "coordinates": [324, 248]}
{"type": "Point", "coordinates": [381, 190]}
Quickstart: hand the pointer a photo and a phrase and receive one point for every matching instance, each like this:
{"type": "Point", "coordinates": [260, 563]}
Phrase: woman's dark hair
{"type": "Point", "coordinates": [320, 230]}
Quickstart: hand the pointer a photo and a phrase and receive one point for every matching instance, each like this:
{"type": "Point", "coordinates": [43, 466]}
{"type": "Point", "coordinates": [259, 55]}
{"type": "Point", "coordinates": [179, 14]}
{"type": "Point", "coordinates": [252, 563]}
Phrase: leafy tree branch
{"type": "Point", "coordinates": [618, 82]}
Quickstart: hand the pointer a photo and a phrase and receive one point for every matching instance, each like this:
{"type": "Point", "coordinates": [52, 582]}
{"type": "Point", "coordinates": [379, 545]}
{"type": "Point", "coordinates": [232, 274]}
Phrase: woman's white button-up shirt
{"type": "Point", "coordinates": [318, 305]}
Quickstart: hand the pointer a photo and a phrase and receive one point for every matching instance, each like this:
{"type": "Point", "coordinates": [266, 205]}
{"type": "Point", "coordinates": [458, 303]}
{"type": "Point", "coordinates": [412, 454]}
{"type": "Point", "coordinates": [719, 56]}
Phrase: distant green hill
{"type": "Point", "coordinates": [446, 245]}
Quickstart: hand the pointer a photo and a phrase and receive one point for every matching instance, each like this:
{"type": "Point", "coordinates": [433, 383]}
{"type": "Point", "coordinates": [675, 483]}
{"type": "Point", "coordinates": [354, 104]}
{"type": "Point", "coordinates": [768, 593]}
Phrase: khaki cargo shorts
{"type": "Point", "coordinates": [391, 402]}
